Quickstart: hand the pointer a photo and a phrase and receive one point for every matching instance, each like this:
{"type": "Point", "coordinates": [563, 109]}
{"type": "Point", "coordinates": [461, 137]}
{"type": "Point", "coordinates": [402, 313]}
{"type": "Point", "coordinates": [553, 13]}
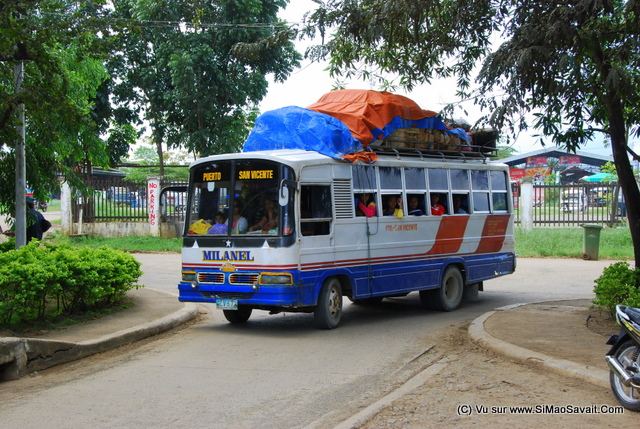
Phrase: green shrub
{"type": "Point", "coordinates": [618, 284]}
{"type": "Point", "coordinates": [39, 282]}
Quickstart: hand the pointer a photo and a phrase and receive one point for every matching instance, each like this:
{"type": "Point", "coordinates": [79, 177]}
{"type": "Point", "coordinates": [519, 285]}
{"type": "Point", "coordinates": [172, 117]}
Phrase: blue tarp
{"type": "Point", "coordinates": [298, 128]}
{"type": "Point", "coordinates": [460, 133]}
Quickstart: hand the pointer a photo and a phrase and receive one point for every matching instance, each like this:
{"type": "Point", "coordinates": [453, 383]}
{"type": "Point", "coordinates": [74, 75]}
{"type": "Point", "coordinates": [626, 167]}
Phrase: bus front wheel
{"type": "Point", "coordinates": [449, 295]}
{"type": "Point", "coordinates": [241, 315]}
{"type": "Point", "coordinates": [328, 312]}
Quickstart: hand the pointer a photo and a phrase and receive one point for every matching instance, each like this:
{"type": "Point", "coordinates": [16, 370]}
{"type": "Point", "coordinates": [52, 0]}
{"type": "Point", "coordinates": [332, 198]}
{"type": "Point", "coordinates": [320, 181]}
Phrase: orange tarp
{"type": "Point", "coordinates": [366, 113]}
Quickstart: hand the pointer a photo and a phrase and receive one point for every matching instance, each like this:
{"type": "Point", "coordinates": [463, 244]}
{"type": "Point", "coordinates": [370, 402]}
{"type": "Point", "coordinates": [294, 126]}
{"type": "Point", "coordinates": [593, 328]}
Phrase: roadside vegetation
{"type": "Point", "coordinates": [615, 243]}
{"type": "Point", "coordinates": [43, 283]}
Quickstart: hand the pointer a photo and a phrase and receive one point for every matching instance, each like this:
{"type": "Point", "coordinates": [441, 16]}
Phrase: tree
{"type": "Point", "coordinates": [196, 68]}
{"type": "Point", "coordinates": [62, 54]}
{"type": "Point", "coordinates": [147, 164]}
{"type": "Point", "coordinates": [572, 66]}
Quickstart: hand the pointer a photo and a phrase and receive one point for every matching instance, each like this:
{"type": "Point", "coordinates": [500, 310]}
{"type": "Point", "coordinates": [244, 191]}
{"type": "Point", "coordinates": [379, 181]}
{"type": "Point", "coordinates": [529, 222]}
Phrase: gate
{"type": "Point", "coordinates": [557, 205]}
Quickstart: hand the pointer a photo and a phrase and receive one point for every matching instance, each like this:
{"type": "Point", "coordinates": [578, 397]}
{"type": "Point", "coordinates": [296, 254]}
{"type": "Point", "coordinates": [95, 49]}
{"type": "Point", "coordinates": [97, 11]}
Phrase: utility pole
{"type": "Point", "coordinates": [21, 170]}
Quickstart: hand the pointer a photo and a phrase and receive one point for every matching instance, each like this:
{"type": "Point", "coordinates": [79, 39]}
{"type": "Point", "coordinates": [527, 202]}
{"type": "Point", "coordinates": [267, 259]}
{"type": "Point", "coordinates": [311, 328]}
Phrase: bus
{"type": "Point", "coordinates": [294, 239]}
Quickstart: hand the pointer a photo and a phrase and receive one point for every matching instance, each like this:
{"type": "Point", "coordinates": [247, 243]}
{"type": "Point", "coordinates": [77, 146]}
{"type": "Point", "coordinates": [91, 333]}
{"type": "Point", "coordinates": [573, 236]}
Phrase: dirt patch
{"type": "Point", "coordinates": [600, 322]}
{"type": "Point", "coordinates": [482, 390]}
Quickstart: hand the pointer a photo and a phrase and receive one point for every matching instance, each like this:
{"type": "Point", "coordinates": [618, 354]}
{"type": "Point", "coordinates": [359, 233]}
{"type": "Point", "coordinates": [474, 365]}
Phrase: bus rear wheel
{"type": "Point", "coordinates": [241, 315]}
{"type": "Point", "coordinates": [449, 295]}
{"type": "Point", "coordinates": [328, 312]}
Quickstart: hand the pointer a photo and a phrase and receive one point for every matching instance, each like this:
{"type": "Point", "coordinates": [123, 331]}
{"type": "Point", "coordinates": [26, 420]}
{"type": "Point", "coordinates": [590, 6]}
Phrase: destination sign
{"type": "Point", "coordinates": [255, 174]}
{"type": "Point", "coordinates": [212, 176]}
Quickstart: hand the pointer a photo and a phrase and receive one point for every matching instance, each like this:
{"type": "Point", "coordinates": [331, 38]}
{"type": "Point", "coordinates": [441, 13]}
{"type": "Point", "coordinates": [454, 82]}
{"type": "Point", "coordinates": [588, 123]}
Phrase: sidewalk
{"type": "Point", "coordinates": [154, 312]}
{"type": "Point", "coordinates": [553, 334]}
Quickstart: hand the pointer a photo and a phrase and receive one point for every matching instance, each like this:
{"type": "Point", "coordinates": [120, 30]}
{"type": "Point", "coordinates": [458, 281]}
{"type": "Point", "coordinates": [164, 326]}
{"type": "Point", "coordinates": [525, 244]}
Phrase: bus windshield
{"type": "Point", "coordinates": [238, 197]}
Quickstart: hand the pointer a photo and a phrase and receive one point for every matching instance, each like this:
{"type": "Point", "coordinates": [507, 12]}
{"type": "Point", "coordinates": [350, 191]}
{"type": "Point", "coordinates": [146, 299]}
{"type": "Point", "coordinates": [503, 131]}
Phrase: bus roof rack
{"type": "Point", "coordinates": [432, 152]}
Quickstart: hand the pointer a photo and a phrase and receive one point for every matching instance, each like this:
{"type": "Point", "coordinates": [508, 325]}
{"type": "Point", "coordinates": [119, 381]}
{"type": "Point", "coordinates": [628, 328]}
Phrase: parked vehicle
{"type": "Point", "coordinates": [572, 200]}
{"type": "Point", "coordinates": [624, 358]}
{"type": "Point", "coordinates": [121, 195]}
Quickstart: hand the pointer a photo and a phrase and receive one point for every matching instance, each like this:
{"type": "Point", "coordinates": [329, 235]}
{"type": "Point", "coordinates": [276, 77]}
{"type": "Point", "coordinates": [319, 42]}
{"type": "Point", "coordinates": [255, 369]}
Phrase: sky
{"type": "Point", "coordinates": [308, 83]}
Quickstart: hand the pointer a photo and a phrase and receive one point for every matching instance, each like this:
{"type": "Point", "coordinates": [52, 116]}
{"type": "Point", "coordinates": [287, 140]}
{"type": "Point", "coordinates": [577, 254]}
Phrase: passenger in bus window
{"type": "Point", "coordinates": [393, 206]}
{"type": "Point", "coordinates": [414, 206]}
{"type": "Point", "coordinates": [365, 205]}
{"type": "Point", "coordinates": [220, 225]}
{"type": "Point", "coordinates": [436, 208]}
{"type": "Point", "coordinates": [239, 222]}
{"type": "Point", "coordinates": [270, 219]}
{"type": "Point", "coordinates": [457, 204]}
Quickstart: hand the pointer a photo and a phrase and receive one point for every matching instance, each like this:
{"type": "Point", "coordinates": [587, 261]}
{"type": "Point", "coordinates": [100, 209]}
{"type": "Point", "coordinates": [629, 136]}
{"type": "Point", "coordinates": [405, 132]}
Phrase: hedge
{"type": "Point", "coordinates": [41, 281]}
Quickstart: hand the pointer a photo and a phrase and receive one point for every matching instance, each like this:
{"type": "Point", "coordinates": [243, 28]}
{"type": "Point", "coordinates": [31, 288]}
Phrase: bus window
{"type": "Point", "coordinates": [460, 180]}
{"type": "Point", "coordinates": [499, 191]}
{"type": "Point", "coordinates": [480, 187]}
{"type": "Point", "coordinates": [415, 205]}
{"type": "Point", "coordinates": [438, 180]}
{"type": "Point", "coordinates": [415, 179]}
{"type": "Point", "coordinates": [390, 178]}
{"type": "Point", "coordinates": [365, 203]}
{"type": "Point", "coordinates": [460, 203]}
{"type": "Point", "coordinates": [392, 205]}
{"type": "Point", "coordinates": [364, 177]}
{"type": "Point", "coordinates": [211, 196]}
{"type": "Point", "coordinates": [437, 204]}
{"type": "Point", "coordinates": [315, 210]}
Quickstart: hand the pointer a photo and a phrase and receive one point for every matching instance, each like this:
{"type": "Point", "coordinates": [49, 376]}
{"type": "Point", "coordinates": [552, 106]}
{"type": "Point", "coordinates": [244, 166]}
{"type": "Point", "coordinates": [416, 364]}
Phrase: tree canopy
{"type": "Point", "coordinates": [96, 72]}
{"type": "Point", "coordinates": [196, 69]}
{"type": "Point", "coordinates": [62, 57]}
{"type": "Point", "coordinates": [568, 68]}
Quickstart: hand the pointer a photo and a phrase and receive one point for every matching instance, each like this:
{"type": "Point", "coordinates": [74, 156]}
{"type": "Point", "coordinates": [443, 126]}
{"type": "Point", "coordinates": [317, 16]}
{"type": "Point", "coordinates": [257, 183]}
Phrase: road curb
{"type": "Point", "coordinates": [27, 355]}
{"type": "Point", "coordinates": [410, 385]}
{"type": "Point", "coordinates": [481, 337]}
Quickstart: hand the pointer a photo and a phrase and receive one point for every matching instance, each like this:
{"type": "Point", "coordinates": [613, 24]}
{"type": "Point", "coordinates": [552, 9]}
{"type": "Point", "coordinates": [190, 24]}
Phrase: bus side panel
{"type": "Point", "coordinates": [400, 278]}
{"type": "Point", "coordinates": [485, 267]}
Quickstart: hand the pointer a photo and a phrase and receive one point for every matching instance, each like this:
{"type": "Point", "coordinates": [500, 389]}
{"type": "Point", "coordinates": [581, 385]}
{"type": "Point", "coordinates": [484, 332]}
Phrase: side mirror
{"type": "Point", "coordinates": [283, 195]}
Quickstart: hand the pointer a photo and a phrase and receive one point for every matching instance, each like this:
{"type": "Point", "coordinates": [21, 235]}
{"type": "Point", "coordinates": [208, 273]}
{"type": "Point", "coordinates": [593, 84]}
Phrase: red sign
{"type": "Point", "coordinates": [536, 160]}
{"type": "Point", "coordinates": [516, 173]}
{"type": "Point", "coordinates": [569, 160]}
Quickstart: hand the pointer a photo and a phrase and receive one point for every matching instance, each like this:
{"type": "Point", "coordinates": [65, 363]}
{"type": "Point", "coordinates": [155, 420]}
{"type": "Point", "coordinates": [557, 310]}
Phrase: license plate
{"type": "Point", "coordinates": [227, 304]}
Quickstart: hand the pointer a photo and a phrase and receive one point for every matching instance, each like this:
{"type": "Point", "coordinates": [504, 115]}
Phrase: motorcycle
{"type": "Point", "coordinates": [624, 358]}
{"type": "Point", "coordinates": [42, 206]}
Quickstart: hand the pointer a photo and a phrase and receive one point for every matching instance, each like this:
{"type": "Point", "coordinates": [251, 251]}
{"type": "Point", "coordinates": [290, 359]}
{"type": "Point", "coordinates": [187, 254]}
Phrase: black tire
{"type": "Point", "coordinates": [449, 295]}
{"type": "Point", "coordinates": [629, 397]}
{"type": "Point", "coordinates": [328, 312]}
{"type": "Point", "coordinates": [241, 315]}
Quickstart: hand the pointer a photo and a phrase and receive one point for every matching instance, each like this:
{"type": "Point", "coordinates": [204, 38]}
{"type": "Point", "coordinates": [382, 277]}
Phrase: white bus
{"type": "Point", "coordinates": [293, 240]}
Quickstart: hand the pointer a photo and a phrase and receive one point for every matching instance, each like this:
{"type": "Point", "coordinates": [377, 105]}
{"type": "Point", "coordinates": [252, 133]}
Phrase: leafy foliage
{"type": "Point", "coordinates": [40, 282]}
{"type": "Point", "coordinates": [569, 69]}
{"type": "Point", "coordinates": [62, 56]}
{"type": "Point", "coordinates": [618, 284]}
{"type": "Point", "coordinates": [196, 69]}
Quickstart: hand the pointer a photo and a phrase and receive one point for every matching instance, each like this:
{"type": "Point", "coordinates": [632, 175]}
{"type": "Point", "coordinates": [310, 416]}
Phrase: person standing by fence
{"type": "Point", "coordinates": [37, 225]}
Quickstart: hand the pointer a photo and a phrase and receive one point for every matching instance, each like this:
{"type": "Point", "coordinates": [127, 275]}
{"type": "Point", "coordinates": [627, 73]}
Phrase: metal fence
{"type": "Point", "coordinates": [572, 205]}
{"type": "Point", "coordinates": [114, 199]}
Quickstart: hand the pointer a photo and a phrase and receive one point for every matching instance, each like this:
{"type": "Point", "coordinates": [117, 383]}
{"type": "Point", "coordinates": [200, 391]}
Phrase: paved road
{"type": "Point", "coordinates": [276, 371]}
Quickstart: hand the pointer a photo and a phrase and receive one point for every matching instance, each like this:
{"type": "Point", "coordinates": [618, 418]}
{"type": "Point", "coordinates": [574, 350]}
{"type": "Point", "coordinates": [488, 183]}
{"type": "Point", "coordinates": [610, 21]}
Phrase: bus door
{"type": "Point", "coordinates": [316, 214]}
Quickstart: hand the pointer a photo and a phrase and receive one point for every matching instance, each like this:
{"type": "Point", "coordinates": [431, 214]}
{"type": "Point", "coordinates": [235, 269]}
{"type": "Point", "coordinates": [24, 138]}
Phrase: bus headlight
{"type": "Point", "coordinates": [275, 279]}
{"type": "Point", "coordinates": [189, 276]}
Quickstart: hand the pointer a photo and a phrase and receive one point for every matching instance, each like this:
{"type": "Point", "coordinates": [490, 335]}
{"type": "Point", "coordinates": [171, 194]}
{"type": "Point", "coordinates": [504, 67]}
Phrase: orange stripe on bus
{"type": "Point", "coordinates": [493, 233]}
{"type": "Point", "coordinates": [450, 235]}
